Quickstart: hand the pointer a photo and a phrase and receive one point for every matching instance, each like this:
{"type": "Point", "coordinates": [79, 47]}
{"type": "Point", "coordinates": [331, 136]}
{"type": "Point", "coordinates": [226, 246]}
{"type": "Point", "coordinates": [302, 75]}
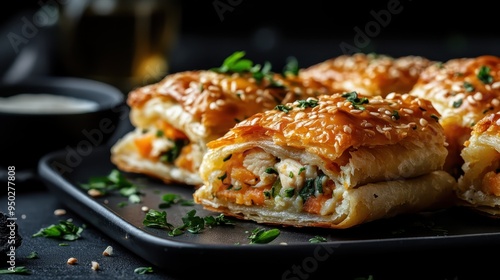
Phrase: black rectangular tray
{"type": "Point", "coordinates": [454, 233]}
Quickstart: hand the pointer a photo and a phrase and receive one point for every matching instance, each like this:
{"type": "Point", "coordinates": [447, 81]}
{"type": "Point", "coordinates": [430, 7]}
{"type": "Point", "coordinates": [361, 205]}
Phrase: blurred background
{"type": "Point", "coordinates": [131, 43]}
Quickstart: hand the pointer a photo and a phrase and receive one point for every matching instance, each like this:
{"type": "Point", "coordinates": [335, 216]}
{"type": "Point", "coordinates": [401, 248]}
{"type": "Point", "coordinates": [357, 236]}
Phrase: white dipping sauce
{"type": "Point", "coordinates": [44, 103]}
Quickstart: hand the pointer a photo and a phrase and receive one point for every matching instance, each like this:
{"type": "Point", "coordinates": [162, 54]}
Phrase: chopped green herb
{"type": "Point", "coordinates": [228, 157]}
{"type": "Point", "coordinates": [395, 115]}
{"type": "Point", "coordinates": [220, 220]}
{"type": "Point", "coordinates": [156, 219]}
{"type": "Point", "coordinates": [33, 255]}
{"type": "Point", "coordinates": [271, 170]}
{"type": "Point", "coordinates": [434, 117]}
{"type": "Point", "coordinates": [16, 270]}
{"type": "Point", "coordinates": [143, 270]}
{"type": "Point", "coordinates": [283, 108]}
{"type": "Point", "coordinates": [484, 75]}
{"type": "Point", "coordinates": [173, 153]}
{"type": "Point", "coordinates": [63, 244]}
{"type": "Point", "coordinates": [317, 239]}
{"type": "Point", "coordinates": [289, 192]}
{"type": "Point", "coordinates": [114, 181]}
{"type": "Point", "coordinates": [302, 169]}
{"type": "Point", "coordinates": [160, 133]}
{"type": "Point", "coordinates": [63, 230]}
{"type": "Point", "coordinates": [457, 103]}
{"type": "Point", "coordinates": [290, 174]}
{"type": "Point", "coordinates": [195, 224]}
{"type": "Point", "coordinates": [222, 177]}
{"type": "Point", "coordinates": [291, 67]}
{"type": "Point", "coordinates": [262, 236]}
{"type": "Point", "coordinates": [355, 100]}
{"type": "Point", "coordinates": [170, 199]}
{"type": "Point", "coordinates": [468, 87]}
{"type": "Point", "coordinates": [307, 103]}
{"type": "Point", "coordinates": [122, 204]}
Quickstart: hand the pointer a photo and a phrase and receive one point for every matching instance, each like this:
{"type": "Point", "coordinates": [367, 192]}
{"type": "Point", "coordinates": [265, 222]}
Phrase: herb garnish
{"type": "Point", "coordinates": [355, 100]}
{"type": "Point", "coordinates": [16, 270]}
{"type": "Point", "coordinates": [457, 103]}
{"type": "Point", "coordinates": [64, 230]}
{"type": "Point", "coordinates": [173, 153]}
{"type": "Point", "coordinates": [156, 219]}
{"type": "Point", "coordinates": [291, 68]}
{"type": "Point", "coordinates": [33, 255]}
{"type": "Point", "coordinates": [484, 75]}
{"type": "Point", "coordinates": [317, 239]}
{"type": "Point", "coordinates": [236, 63]}
{"type": "Point", "coordinates": [262, 236]}
{"type": "Point", "coordinates": [307, 103]}
{"type": "Point", "coordinates": [114, 181]}
{"type": "Point", "coordinates": [143, 270]}
{"type": "Point", "coordinates": [170, 199]}
{"type": "Point", "coordinates": [283, 108]}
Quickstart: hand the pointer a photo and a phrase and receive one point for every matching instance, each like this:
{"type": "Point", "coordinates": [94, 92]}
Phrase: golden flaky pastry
{"type": "Point", "coordinates": [335, 161]}
{"type": "Point", "coordinates": [479, 186]}
{"type": "Point", "coordinates": [176, 117]}
{"type": "Point", "coordinates": [463, 91]}
{"type": "Point", "coordinates": [368, 74]}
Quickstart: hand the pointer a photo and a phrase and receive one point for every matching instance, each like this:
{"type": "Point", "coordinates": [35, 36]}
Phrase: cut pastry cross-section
{"type": "Point", "coordinates": [176, 117]}
{"type": "Point", "coordinates": [479, 186]}
{"type": "Point", "coordinates": [463, 91]}
{"type": "Point", "coordinates": [334, 161]}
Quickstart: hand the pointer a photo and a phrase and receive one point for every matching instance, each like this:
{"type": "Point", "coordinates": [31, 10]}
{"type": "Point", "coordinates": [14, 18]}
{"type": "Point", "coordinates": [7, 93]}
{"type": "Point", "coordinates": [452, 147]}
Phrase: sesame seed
{"type": "Point", "coordinates": [495, 85]}
{"type": "Point", "coordinates": [356, 111]}
{"type": "Point", "coordinates": [108, 251]}
{"type": "Point", "coordinates": [408, 111]}
{"type": "Point", "coordinates": [144, 209]}
{"type": "Point", "coordinates": [388, 135]}
{"type": "Point", "coordinates": [367, 124]}
{"type": "Point", "coordinates": [478, 96]}
{"type": "Point", "coordinates": [220, 102]}
{"type": "Point", "coordinates": [213, 88]}
{"type": "Point", "coordinates": [497, 122]}
{"type": "Point", "coordinates": [94, 193]}
{"type": "Point", "coordinates": [234, 86]}
{"type": "Point", "coordinates": [72, 261]}
{"type": "Point", "coordinates": [386, 128]}
{"type": "Point", "coordinates": [95, 265]}
{"type": "Point", "coordinates": [471, 100]}
{"type": "Point", "coordinates": [423, 122]}
{"type": "Point", "coordinates": [495, 102]}
{"type": "Point", "coordinates": [376, 114]}
{"type": "Point", "coordinates": [59, 212]}
{"type": "Point", "coordinates": [387, 112]}
{"type": "Point", "coordinates": [347, 129]}
{"type": "Point", "coordinates": [391, 95]}
{"type": "Point", "coordinates": [212, 106]}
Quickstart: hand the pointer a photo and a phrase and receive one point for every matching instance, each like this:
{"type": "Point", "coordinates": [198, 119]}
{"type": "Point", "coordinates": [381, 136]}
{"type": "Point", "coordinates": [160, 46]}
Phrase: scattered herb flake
{"type": "Point", "coordinates": [143, 270]}
{"type": "Point", "coordinates": [484, 75]}
{"type": "Point", "coordinates": [16, 270]}
{"type": "Point", "coordinates": [307, 103]}
{"type": "Point", "coordinates": [457, 103]}
{"type": "Point", "coordinates": [156, 219]}
{"type": "Point", "coordinates": [64, 230]}
{"type": "Point", "coordinates": [317, 239]}
{"type": "Point", "coordinates": [283, 108]}
{"type": "Point", "coordinates": [291, 67]}
{"type": "Point", "coordinates": [33, 255]}
{"type": "Point", "coordinates": [262, 236]}
{"type": "Point", "coordinates": [355, 100]}
{"type": "Point", "coordinates": [114, 181]}
{"type": "Point", "coordinates": [468, 87]}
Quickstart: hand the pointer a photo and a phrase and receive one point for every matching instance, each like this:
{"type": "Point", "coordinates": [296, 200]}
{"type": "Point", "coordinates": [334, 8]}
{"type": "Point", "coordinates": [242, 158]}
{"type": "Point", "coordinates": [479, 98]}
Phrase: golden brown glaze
{"type": "Point", "coordinates": [463, 90]}
{"type": "Point", "coordinates": [369, 74]}
{"type": "Point", "coordinates": [336, 124]}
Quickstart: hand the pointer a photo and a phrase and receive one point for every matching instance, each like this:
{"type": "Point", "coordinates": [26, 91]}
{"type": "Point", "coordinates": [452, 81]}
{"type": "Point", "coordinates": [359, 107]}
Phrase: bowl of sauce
{"type": "Point", "coordinates": [45, 114]}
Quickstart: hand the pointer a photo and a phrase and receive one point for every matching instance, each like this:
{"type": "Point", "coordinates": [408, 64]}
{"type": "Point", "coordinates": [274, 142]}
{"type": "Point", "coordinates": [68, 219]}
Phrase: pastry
{"type": "Point", "coordinates": [479, 186]}
{"type": "Point", "coordinates": [335, 161]}
{"type": "Point", "coordinates": [368, 74]}
{"type": "Point", "coordinates": [463, 91]}
{"type": "Point", "coordinates": [175, 118]}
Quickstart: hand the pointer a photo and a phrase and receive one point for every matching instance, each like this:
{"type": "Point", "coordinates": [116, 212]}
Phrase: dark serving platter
{"type": "Point", "coordinates": [449, 233]}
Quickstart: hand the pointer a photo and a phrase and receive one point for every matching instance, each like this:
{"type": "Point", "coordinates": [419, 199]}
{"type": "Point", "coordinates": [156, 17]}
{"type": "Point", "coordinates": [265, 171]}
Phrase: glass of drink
{"type": "Point", "coordinates": [125, 43]}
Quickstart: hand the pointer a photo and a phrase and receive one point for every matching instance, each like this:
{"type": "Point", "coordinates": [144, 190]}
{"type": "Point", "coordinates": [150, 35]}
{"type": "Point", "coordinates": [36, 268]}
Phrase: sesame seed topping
{"type": "Point", "coordinates": [408, 111]}
{"type": "Point", "coordinates": [495, 102]}
{"type": "Point", "coordinates": [423, 122]}
{"type": "Point", "coordinates": [471, 100]}
{"type": "Point", "coordinates": [478, 96]}
{"type": "Point", "coordinates": [497, 122]}
{"type": "Point", "coordinates": [376, 114]}
{"type": "Point", "coordinates": [495, 85]}
{"type": "Point", "coordinates": [347, 129]}
{"type": "Point", "coordinates": [356, 111]}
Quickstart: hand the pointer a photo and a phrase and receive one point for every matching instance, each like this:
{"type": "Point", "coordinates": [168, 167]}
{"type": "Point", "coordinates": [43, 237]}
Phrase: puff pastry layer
{"type": "Point", "coordinates": [463, 91]}
{"type": "Point", "coordinates": [334, 161]}
{"type": "Point", "coordinates": [175, 118]}
{"type": "Point", "coordinates": [368, 74]}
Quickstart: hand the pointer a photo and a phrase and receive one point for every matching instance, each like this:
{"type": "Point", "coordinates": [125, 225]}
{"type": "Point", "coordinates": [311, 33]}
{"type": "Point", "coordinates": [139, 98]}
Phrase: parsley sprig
{"type": "Point", "coordinates": [16, 270]}
{"type": "Point", "coordinates": [356, 102]}
{"type": "Point", "coordinates": [262, 236]}
{"type": "Point", "coordinates": [484, 75]}
{"type": "Point", "coordinates": [236, 63]}
{"type": "Point", "coordinates": [114, 181]}
{"type": "Point", "coordinates": [65, 230]}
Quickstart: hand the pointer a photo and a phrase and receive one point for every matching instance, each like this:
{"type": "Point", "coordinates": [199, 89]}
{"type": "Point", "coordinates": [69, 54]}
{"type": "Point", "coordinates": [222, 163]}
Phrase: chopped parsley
{"type": "Point", "coordinates": [262, 236]}
{"type": "Point", "coordinates": [173, 153]}
{"type": "Point", "coordinates": [468, 87]}
{"type": "Point", "coordinates": [283, 108]}
{"type": "Point", "coordinates": [143, 270]}
{"type": "Point", "coordinates": [16, 270]}
{"type": "Point", "coordinates": [65, 230]}
{"type": "Point", "coordinates": [291, 68]}
{"type": "Point", "coordinates": [307, 103]}
{"type": "Point", "coordinates": [196, 224]}
{"type": "Point", "coordinates": [484, 75]}
{"type": "Point", "coordinates": [156, 219]}
{"type": "Point", "coordinates": [457, 103]}
{"type": "Point", "coordinates": [356, 102]}
{"type": "Point", "coordinates": [271, 170]}
{"type": "Point", "coordinates": [317, 239]}
{"type": "Point", "coordinates": [33, 255]}
{"type": "Point", "coordinates": [171, 199]}
{"type": "Point", "coordinates": [228, 157]}
{"type": "Point", "coordinates": [395, 115]}
{"type": "Point", "coordinates": [236, 63]}
{"type": "Point", "coordinates": [114, 181]}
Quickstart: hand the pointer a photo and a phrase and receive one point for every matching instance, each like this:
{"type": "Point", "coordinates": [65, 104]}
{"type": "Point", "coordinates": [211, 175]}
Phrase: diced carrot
{"type": "Point", "coordinates": [314, 203]}
{"type": "Point", "coordinates": [184, 161]}
{"type": "Point", "coordinates": [144, 144]}
{"type": "Point", "coordinates": [171, 132]}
